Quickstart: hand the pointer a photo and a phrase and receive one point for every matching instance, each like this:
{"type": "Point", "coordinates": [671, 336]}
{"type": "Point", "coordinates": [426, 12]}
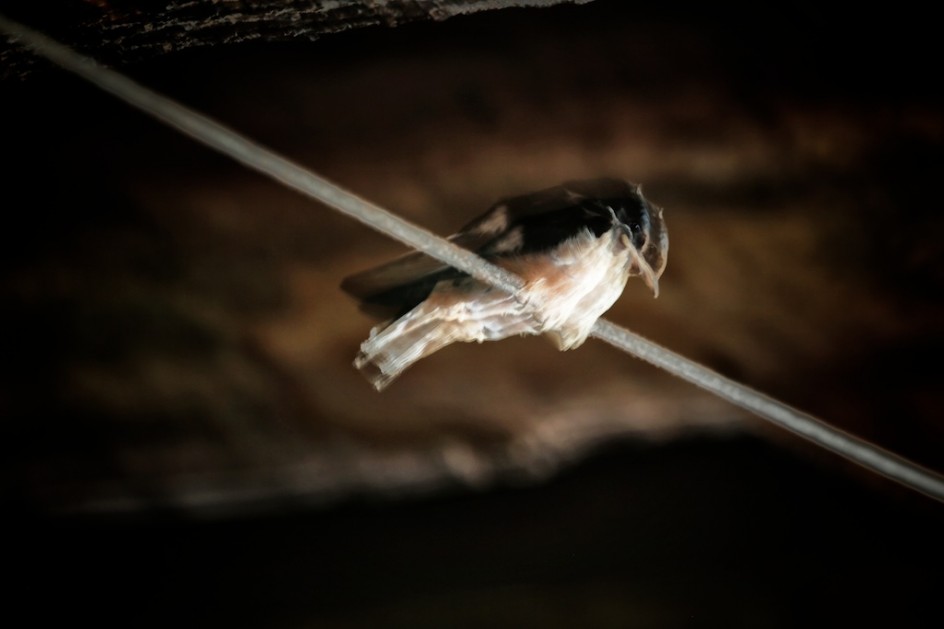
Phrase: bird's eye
{"type": "Point", "coordinates": [636, 228]}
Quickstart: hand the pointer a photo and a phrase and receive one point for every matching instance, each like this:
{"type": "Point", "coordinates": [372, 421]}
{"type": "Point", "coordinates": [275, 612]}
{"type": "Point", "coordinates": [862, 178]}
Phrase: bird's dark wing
{"type": "Point", "coordinates": [397, 286]}
{"type": "Point", "coordinates": [514, 226]}
{"type": "Point", "coordinates": [542, 220]}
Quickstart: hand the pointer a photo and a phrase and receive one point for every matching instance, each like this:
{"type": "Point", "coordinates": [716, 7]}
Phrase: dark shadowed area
{"type": "Point", "coordinates": [184, 439]}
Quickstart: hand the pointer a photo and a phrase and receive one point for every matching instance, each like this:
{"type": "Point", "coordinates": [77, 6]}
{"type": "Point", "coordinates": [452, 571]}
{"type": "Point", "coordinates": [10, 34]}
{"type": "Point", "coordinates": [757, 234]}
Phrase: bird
{"type": "Point", "coordinates": [575, 245]}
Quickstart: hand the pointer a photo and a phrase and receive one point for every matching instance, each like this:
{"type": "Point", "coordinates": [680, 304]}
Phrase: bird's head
{"type": "Point", "coordinates": [643, 229]}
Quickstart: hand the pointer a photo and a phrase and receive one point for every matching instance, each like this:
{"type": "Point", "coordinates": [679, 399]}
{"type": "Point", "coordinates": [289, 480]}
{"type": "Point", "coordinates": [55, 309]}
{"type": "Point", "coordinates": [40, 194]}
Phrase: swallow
{"type": "Point", "coordinates": [574, 245]}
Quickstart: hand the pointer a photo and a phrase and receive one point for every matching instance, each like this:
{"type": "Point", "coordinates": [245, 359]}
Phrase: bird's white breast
{"type": "Point", "coordinates": [586, 277]}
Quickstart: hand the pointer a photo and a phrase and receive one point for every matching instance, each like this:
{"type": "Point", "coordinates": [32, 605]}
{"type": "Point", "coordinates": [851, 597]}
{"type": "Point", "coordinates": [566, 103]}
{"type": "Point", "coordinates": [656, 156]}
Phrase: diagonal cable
{"type": "Point", "coordinates": [267, 162]}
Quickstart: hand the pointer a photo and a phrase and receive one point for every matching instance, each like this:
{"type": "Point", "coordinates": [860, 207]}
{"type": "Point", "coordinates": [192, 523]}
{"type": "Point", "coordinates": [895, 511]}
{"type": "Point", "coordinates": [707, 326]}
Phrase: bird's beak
{"type": "Point", "coordinates": [649, 277]}
{"type": "Point", "coordinates": [646, 272]}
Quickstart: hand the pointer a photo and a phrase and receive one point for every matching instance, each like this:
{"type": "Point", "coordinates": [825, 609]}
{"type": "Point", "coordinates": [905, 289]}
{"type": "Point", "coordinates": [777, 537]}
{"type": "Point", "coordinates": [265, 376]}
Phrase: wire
{"type": "Point", "coordinates": [267, 162]}
{"type": "Point", "coordinates": [819, 432]}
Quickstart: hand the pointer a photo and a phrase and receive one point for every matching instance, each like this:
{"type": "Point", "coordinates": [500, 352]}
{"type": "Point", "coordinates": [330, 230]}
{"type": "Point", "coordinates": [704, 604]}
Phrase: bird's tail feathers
{"type": "Point", "coordinates": [429, 327]}
{"type": "Point", "coordinates": [390, 350]}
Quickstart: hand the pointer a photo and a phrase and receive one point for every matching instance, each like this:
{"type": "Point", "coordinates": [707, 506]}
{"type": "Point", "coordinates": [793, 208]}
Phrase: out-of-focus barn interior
{"type": "Point", "coordinates": [185, 440]}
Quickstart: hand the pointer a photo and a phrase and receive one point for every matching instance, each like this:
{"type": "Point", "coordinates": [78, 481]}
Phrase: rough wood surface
{"type": "Point", "coordinates": [118, 32]}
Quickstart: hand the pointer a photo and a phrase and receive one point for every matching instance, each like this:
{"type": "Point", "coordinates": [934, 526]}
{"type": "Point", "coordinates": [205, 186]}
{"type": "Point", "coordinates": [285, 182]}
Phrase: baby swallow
{"type": "Point", "coordinates": [574, 245]}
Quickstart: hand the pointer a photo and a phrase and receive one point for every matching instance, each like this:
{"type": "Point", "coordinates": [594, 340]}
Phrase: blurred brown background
{"type": "Point", "coordinates": [179, 405]}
